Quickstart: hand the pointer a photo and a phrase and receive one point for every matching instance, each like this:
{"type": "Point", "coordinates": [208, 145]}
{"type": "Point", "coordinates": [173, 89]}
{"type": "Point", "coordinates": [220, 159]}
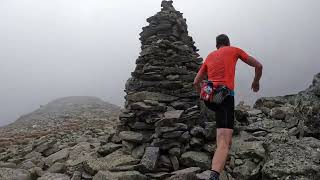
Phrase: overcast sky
{"type": "Point", "coordinates": [56, 48]}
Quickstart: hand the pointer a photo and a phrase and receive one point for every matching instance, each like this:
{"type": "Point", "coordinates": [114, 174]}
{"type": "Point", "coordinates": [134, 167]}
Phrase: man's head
{"type": "Point", "coordinates": [222, 40]}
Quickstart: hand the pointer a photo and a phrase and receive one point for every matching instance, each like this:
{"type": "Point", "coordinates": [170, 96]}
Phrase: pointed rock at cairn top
{"type": "Point", "coordinates": [167, 5]}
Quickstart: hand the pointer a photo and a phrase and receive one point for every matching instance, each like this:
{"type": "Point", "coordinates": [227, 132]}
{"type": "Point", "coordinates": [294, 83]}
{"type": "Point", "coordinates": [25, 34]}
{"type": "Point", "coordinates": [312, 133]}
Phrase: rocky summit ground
{"type": "Point", "coordinates": [164, 132]}
{"type": "Point", "coordinates": [278, 138]}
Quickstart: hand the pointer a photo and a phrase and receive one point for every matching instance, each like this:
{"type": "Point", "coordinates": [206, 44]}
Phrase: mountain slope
{"type": "Point", "coordinates": [67, 114]}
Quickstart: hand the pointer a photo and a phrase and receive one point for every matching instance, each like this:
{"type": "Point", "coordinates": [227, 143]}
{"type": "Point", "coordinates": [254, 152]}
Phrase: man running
{"type": "Point", "coordinates": [219, 67]}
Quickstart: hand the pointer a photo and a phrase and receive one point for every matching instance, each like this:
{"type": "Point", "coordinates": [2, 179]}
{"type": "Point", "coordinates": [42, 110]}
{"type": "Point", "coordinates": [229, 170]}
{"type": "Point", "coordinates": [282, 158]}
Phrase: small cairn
{"type": "Point", "coordinates": [161, 123]}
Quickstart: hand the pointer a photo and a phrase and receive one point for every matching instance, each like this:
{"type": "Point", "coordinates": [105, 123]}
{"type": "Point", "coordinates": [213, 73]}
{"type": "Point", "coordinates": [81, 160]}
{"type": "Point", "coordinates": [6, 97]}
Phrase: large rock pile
{"type": "Point", "coordinates": [161, 124]}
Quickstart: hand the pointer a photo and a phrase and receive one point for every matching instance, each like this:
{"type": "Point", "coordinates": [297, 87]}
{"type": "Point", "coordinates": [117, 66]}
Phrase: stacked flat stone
{"type": "Point", "coordinates": [161, 121]}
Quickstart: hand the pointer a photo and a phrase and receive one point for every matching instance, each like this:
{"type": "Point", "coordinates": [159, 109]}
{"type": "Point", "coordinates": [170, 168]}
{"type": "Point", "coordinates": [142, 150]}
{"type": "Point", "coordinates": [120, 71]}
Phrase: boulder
{"type": "Point", "coordinates": [115, 159]}
{"type": "Point", "coordinates": [108, 148]}
{"type": "Point", "coordinates": [248, 170]}
{"type": "Point", "coordinates": [278, 113]}
{"type": "Point", "coordinates": [251, 149]}
{"type": "Point", "coordinates": [131, 136]}
{"type": "Point", "coordinates": [14, 174]}
{"type": "Point", "coordinates": [173, 134]}
{"type": "Point", "coordinates": [128, 175]}
{"type": "Point", "coordinates": [194, 158]}
{"type": "Point", "coordinates": [57, 168]}
{"type": "Point", "coordinates": [138, 152]}
{"type": "Point", "coordinates": [173, 114]}
{"type": "Point", "coordinates": [76, 175]}
{"type": "Point", "coordinates": [150, 158]}
{"type": "Point", "coordinates": [145, 95]}
{"type": "Point", "coordinates": [185, 174]}
{"type": "Point", "coordinates": [54, 176]}
{"type": "Point", "coordinates": [198, 132]}
{"type": "Point", "coordinates": [57, 157]}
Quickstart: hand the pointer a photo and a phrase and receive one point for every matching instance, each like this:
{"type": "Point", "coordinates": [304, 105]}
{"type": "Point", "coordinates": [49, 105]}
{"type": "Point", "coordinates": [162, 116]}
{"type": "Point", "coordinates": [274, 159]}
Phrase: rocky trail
{"type": "Point", "coordinates": [164, 131]}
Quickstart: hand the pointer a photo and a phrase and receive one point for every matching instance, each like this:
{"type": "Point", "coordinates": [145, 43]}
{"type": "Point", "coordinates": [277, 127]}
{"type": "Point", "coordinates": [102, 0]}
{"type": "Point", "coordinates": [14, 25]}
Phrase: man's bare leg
{"type": "Point", "coordinates": [224, 140]}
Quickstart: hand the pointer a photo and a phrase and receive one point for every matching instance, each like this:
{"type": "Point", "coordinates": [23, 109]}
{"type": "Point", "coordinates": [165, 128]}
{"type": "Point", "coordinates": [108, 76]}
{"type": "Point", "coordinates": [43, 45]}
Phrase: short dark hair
{"type": "Point", "coordinates": [222, 40]}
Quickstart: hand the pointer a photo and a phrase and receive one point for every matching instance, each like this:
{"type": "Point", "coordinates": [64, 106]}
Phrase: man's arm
{"type": "Point", "coordinates": [258, 72]}
{"type": "Point", "coordinates": [198, 79]}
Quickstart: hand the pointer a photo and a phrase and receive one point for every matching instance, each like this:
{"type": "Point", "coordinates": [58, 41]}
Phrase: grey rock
{"type": "Point", "coordinates": [165, 144]}
{"type": "Point", "coordinates": [164, 161]}
{"type": "Point", "coordinates": [8, 165]}
{"type": "Point", "coordinates": [44, 146]}
{"type": "Point", "coordinates": [86, 176]}
{"type": "Point", "coordinates": [254, 112]}
{"type": "Point", "coordinates": [174, 127]}
{"type": "Point", "coordinates": [144, 107]}
{"type": "Point", "coordinates": [129, 146]}
{"type": "Point", "coordinates": [145, 95]}
{"type": "Point", "coordinates": [238, 162]}
{"type": "Point", "coordinates": [173, 114]}
{"type": "Point", "coordinates": [150, 158]}
{"type": "Point", "coordinates": [210, 131]}
{"type": "Point", "coordinates": [209, 147]}
{"type": "Point", "coordinates": [173, 77]}
{"type": "Point", "coordinates": [138, 152]}
{"type": "Point", "coordinates": [246, 171]}
{"type": "Point", "coordinates": [175, 162]}
{"type": "Point", "coordinates": [278, 113]}
{"type": "Point", "coordinates": [55, 148]}
{"type": "Point", "coordinates": [128, 175]}
{"type": "Point", "coordinates": [270, 102]}
{"type": "Point", "coordinates": [57, 168]}
{"type": "Point", "coordinates": [76, 175]}
{"type": "Point", "coordinates": [54, 176]}
{"type": "Point", "coordinates": [185, 137]}
{"type": "Point", "coordinates": [198, 142]}
{"type": "Point", "coordinates": [142, 126]}
{"type": "Point", "coordinates": [241, 114]}
{"type": "Point", "coordinates": [198, 132]}
{"type": "Point", "coordinates": [115, 159]}
{"type": "Point", "coordinates": [79, 154]}
{"type": "Point", "coordinates": [36, 172]}
{"type": "Point", "coordinates": [250, 149]}
{"type": "Point", "coordinates": [57, 157]}
{"type": "Point", "coordinates": [194, 158]}
{"type": "Point", "coordinates": [116, 139]}
{"type": "Point", "coordinates": [265, 110]}
{"type": "Point", "coordinates": [14, 174]}
{"type": "Point", "coordinates": [175, 151]}
{"type": "Point", "coordinates": [266, 125]}
{"type": "Point", "coordinates": [205, 175]}
{"type": "Point", "coordinates": [180, 105]}
{"type": "Point", "coordinates": [174, 134]}
{"type": "Point", "coordinates": [131, 136]}
{"type": "Point", "coordinates": [104, 138]}
{"type": "Point", "coordinates": [27, 165]}
{"type": "Point", "coordinates": [159, 175]}
{"type": "Point", "coordinates": [108, 148]}
{"type": "Point", "coordinates": [185, 174]}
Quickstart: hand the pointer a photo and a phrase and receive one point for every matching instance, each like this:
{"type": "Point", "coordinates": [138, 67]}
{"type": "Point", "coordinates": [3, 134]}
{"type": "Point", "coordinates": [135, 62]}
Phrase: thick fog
{"type": "Point", "coordinates": [51, 49]}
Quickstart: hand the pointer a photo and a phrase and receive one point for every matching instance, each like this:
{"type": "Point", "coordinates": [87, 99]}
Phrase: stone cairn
{"type": "Point", "coordinates": [161, 121]}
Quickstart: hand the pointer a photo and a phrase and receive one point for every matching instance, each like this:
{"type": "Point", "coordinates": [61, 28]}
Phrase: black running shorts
{"type": "Point", "coordinates": [224, 112]}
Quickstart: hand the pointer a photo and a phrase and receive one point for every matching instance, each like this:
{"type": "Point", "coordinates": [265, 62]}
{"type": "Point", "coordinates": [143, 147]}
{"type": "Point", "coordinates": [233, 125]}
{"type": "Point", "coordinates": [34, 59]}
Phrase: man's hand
{"type": "Point", "coordinates": [258, 72]}
{"type": "Point", "coordinates": [255, 86]}
{"type": "Point", "coordinates": [197, 87]}
{"type": "Point", "coordinates": [198, 79]}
